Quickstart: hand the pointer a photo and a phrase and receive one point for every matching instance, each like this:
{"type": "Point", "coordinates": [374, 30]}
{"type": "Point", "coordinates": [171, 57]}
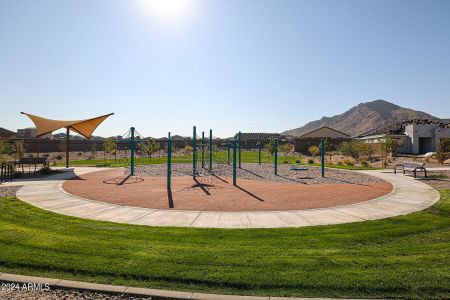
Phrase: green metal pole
{"type": "Point", "coordinates": [203, 149]}
{"type": "Point", "coordinates": [210, 150]}
{"type": "Point", "coordinates": [228, 148]}
{"type": "Point", "coordinates": [323, 157]}
{"type": "Point", "coordinates": [194, 155]}
{"type": "Point", "coordinates": [239, 141]}
{"type": "Point", "coordinates": [169, 162]}
{"type": "Point", "coordinates": [234, 162]}
{"type": "Point", "coordinates": [132, 151]}
{"type": "Point", "coordinates": [275, 158]}
{"type": "Point", "coordinates": [259, 153]}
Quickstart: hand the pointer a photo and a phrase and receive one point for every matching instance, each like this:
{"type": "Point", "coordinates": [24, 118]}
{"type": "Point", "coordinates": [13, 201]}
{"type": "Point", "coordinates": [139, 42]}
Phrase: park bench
{"type": "Point", "coordinates": [411, 167]}
{"type": "Point", "coordinates": [30, 161]}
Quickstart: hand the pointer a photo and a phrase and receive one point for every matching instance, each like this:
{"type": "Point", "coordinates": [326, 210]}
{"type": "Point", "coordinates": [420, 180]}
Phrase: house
{"type": "Point", "coordinates": [416, 136]}
{"type": "Point", "coordinates": [313, 138]}
{"type": "Point", "coordinates": [31, 132]}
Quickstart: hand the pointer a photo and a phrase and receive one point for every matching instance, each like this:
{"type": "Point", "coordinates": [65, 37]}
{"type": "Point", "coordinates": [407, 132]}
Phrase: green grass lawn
{"type": "Point", "coordinates": [406, 256]}
{"type": "Point", "coordinates": [246, 157]}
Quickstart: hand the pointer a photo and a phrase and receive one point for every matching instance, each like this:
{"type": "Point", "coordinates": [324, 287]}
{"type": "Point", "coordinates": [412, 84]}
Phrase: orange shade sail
{"type": "Point", "coordinates": [84, 127]}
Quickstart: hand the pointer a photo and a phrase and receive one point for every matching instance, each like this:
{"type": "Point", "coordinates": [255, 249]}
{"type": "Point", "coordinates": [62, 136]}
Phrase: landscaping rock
{"type": "Point", "coordinates": [9, 191]}
{"type": "Point", "coordinates": [263, 172]}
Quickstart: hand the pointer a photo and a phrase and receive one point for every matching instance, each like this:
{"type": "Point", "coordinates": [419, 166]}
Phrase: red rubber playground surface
{"type": "Point", "coordinates": [250, 195]}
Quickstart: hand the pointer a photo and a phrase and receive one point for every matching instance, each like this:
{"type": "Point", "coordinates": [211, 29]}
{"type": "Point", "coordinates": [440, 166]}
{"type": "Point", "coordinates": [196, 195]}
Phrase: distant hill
{"type": "Point", "coordinates": [5, 133]}
{"type": "Point", "coordinates": [363, 118]}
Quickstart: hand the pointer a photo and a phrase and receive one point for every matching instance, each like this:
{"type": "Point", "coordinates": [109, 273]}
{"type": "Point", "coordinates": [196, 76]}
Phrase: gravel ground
{"type": "Point", "coordinates": [58, 294]}
{"type": "Point", "coordinates": [9, 191]}
{"type": "Point", "coordinates": [440, 183]}
{"type": "Point", "coordinates": [264, 172]}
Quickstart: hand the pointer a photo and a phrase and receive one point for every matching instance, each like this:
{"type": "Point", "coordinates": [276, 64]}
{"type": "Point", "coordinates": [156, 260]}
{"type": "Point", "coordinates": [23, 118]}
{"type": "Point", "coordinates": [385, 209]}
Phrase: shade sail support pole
{"type": "Point", "coordinates": [67, 146]}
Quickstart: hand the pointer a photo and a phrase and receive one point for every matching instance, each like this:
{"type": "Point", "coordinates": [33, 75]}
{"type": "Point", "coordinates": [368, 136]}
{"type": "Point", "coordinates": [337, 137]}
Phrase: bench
{"type": "Point", "coordinates": [32, 161]}
{"type": "Point", "coordinates": [411, 167]}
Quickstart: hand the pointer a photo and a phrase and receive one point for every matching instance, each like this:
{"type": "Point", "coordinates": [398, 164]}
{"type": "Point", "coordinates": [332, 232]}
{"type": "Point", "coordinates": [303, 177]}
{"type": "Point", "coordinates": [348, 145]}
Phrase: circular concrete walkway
{"type": "Point", "coordinates": [408, 195]}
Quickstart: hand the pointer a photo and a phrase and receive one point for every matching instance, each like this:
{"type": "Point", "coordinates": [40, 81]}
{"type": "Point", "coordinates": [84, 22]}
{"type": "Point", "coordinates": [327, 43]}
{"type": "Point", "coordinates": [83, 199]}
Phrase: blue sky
{"type": "Point", "coordinates": [227, 65]}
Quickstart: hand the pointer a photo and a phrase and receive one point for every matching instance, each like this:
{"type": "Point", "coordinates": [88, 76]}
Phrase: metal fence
{"type": "Point", "coordinates": [6, 172]}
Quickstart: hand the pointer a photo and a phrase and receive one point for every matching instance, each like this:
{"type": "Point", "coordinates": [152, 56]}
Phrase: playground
{"type": "Point", "coordinates": [208, 182]}
{"type": "Point", "coordinates": [256, 191]}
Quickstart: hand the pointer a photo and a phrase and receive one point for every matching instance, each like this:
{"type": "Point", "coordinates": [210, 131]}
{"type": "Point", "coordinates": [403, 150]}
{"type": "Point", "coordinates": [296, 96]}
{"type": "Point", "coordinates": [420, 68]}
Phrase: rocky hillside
{"type": "Point", "coordinates": [363, 118]}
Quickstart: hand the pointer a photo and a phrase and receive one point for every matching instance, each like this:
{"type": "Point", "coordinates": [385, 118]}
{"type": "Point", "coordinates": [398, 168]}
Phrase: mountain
{"type": "Point", "coordinates": [5, 133]}
{"type": "Point", "coordinates": [363, 118]}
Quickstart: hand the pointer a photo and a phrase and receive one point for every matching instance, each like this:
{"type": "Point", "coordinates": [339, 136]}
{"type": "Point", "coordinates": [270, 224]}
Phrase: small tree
{"type": "Point", "coordinates": [270, 147]}
{"type": "Point", "coordinates": [386, 146]}
{"type": "Point", "coordinates": [328, 148]}
{"type": "Point", "coordinates": [20, 149]}
{"type": "Point", "coordinates": [6, 149]}
{"type": "Point", "coordinates": [94, 150]}
{"type": "Point", "coordinates": [109, 146]}
{"type": "Point", "coordinates": [62, 147]}
{"type": "Point", "coordinates": [150, 147]}
{"type": "Point", "coordinates": [313, 150]}
{"type": "Point", "coordinates": [443, 150]}
{"type": "Point", "coordinates": [187, 150]}
{"type": "Point", "coordinates": [286, 148]}
{"type": "Point", "coordinates": [366, 150]}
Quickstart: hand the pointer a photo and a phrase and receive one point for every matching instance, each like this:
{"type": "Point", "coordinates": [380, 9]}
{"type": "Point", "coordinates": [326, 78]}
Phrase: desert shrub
{"type": "Point", "coordinates": [298, 161]}
{"type": "Point", "coordinates": [6, 147]}
{"type": "Point", "coordinates": [314, 150]}
{"type": "Point", "coordinates": [357, 150]}
{"type": "Point", "coordinates": [364, 163]}
{"type": "Point", "coordinates": [286, 148]}
{"type": "Point", "coordinates": [310, 161]}
{"type": "Point", "coordinates": [58, 157]}
{"type": "Point", "coordinates": [188, 150]}
{"type": "Point", "coordinates": [349, 162]}
{"type": "Point", "coordinates": [285, 162]}
{"type": "Point", "coordinates": [340, 163]}
{"type": "Point", "coordinates": [270, 147]}
{"type": "Point", "coordinates": [151, 147]}
{"type": "Point", "coordinates": [79, 154]}
{"type": "Point", "coordinates": [443, 150]}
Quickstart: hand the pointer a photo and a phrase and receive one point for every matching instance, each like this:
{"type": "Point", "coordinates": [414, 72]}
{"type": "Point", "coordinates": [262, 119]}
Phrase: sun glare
{"type": "Point", "coordinates": [168, 9]}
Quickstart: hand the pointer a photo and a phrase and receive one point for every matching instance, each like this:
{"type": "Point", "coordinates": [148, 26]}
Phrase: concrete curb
{"type": "Point", "coordinates": [133, 291]}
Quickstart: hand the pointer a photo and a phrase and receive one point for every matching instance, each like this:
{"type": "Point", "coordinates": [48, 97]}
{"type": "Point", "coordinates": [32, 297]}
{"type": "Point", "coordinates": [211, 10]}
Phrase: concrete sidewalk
{"type": "Point", "coordinates": [408, 195]}
{"type": "Point", "coordinates": [132, 291]}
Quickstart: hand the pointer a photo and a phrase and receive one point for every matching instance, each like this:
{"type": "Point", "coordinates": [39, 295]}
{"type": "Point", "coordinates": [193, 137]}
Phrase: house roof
{"type": "Point", "coordinates": [257, 136]}
{"type": "Point", "coordinates": [399, 127]}
{"type": "Point", "coordinates": [325, 127]}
